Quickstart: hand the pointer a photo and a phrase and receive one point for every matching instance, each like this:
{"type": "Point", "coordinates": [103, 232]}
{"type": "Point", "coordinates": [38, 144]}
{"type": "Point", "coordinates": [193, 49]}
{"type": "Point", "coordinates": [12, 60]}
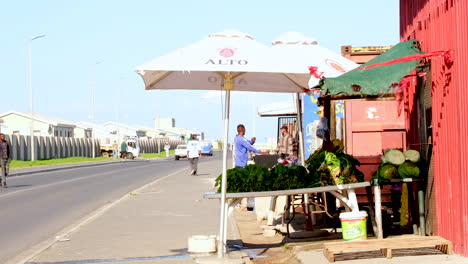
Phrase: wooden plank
{"type": "Point", "coordinates": [213, 195]}
{"type": "Point", "coordinates": [386, 245]}
{"type": "Point", "coordinates": [387, 252]}
{"type": "Point", "coordinates": [329, 255]}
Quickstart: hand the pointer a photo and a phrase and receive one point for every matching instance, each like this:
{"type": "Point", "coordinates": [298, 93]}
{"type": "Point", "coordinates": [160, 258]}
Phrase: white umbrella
{"type": "Point", "coordinates": [298, 53]}
{"type": "Point", "coordinates": [204, 65]}
{"type": "Point", "coordinates": [231, 61]}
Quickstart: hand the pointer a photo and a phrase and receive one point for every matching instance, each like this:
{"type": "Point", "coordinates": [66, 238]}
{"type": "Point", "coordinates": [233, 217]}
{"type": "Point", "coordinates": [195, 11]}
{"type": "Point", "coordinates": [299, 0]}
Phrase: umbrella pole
{"type": "Point", "coordinates": [302, 159]}
{"type": "Point", "coordinates": [299, 129]}
{"type": "Point", "coordinates": [223, 215]}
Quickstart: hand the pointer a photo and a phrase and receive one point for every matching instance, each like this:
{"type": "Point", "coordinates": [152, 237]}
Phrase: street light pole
{"type": "Point", "coordinates": [93, 117]}
{"type": "Point", "coordinates": [31, 109]}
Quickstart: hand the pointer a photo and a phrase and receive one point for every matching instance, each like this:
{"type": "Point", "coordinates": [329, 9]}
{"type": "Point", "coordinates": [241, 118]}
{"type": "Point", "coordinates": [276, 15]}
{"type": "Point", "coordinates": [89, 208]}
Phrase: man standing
{"type": "Point", "coordinates": [123, 150]}
{"type": "Point", "coordinates": [285, 143]}
{"type": "Point", "coordinates": [115, 150]}
{"type": "Point", "coordinates": [193, 153]}
{"type": "Point", "coordinates": [5, 159]}
{"type": "Point", "coordinates": [243, 146]}
{"type": "Point", "coordinates": [167, 147]}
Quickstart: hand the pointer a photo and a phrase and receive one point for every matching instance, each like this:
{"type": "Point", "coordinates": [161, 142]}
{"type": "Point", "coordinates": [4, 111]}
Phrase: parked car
{"type": "Point", "coordinates": [181, 152]}
{"type": "Point", "coordinates": [207, 149]}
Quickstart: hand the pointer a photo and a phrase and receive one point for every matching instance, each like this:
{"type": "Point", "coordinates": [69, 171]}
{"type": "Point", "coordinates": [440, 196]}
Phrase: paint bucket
{"type": "Point", "coordinates": [354, 225]}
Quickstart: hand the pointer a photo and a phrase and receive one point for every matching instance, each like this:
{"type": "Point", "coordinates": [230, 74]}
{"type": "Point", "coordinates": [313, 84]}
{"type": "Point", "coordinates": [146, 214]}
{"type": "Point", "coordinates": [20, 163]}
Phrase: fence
{"type": "Point", "coordinates": [63, 147]}
{"type": "Point", "coordinates": [157, 145]}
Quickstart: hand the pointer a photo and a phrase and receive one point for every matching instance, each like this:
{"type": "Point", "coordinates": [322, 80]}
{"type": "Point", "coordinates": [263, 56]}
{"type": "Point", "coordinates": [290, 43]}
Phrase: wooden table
{"type": "Point", "coordinates": [345, 193]}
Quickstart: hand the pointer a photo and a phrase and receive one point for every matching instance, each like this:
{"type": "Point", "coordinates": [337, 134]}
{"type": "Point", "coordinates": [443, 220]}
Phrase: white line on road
{"type": "Point", "coordinates": [66, 181]}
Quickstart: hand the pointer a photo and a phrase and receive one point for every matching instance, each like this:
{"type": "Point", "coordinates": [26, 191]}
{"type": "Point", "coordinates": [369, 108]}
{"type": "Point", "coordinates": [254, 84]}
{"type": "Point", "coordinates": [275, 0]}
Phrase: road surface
{"type": "Point", "coordinates": [37, 206]}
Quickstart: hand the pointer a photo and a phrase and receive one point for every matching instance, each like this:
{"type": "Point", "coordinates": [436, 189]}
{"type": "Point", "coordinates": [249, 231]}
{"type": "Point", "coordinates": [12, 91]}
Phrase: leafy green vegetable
{"type": "Point", "coordinates": [387, 171]}
{"type": "Point", "coordinates": [412, 155]}
{"type": "Point", "coordinates": [394, 156]}
{"type": "Point", "coordinates": [409, 170]}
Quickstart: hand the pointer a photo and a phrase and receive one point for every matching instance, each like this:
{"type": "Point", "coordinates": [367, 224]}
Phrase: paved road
{"type": "Point", "coordinates": [37, 206]}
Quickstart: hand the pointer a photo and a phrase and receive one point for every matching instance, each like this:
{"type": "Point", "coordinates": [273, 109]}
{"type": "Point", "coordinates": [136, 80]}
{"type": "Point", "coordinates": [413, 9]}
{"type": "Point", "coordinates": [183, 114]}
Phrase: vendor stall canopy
{"type": "Point", "coordinates": [369, 80]}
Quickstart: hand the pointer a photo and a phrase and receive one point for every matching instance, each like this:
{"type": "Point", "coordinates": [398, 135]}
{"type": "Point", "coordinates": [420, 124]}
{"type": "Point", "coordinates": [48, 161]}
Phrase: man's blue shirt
{"type": "Point", "coordinates": [243, 146]}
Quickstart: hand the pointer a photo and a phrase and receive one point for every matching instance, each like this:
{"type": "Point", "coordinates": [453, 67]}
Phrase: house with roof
{"type": "Point", "coordinates": [19, 123]}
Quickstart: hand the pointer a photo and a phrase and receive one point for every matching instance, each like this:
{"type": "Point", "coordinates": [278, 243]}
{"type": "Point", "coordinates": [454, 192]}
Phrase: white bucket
{"type": "Point", "coordinates": [354, 225]}
{"type": "Point", "coordinates": [202, 244]}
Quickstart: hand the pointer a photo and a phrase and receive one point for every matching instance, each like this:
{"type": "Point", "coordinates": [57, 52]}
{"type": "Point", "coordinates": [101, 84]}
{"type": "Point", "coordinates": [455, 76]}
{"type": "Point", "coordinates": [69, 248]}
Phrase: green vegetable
{"type": "Point", "coordinates": [255, 178]}
{"type": "Point", "coordinates": [409, 170]}
{"type": "Point", "coordinates": [394, 156]}
{"type": "Point", "coordinates": [412, 155]}
{"type": "Point", "coordinates": [387, 171]}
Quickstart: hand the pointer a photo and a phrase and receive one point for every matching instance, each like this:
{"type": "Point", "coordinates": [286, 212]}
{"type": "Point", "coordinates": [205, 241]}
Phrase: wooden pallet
{"type": "Point", "coordinates": [386, 246]}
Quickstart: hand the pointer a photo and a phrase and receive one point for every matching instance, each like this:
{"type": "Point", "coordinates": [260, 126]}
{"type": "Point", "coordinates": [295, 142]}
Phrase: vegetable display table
{"type": "Point", "coordinates": [347, 195]}
{"type": "Point", "coordinates": [377, 225]}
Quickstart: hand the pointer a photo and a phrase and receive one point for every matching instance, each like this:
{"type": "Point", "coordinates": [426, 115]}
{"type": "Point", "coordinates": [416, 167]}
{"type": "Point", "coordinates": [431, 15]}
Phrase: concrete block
{"type": "Point", "coordinates": [269, 233]}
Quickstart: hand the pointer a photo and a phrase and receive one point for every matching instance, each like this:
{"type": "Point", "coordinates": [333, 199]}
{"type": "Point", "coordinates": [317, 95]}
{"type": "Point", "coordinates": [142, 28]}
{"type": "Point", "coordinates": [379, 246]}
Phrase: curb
{"type": "Point", "coordinates": [42, 169]}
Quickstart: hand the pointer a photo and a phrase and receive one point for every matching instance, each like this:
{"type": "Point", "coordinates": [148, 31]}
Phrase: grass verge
{"type": "Point", "coordinates": [20, 164]}
{"type": "Point", "coordinates": [157, 155]}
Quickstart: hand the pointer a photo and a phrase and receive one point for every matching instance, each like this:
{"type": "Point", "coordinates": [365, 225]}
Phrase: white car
{"type": "Point", "coordinates": [181, 152]}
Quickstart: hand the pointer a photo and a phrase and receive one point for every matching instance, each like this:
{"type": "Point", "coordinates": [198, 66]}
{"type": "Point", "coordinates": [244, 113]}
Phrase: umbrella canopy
{"type": "Point", "coordinates": [203, 65]}
{"type": "Point", "coordinates": [287, 108]}
{"type": "Point", "coordinates": [369, 80]}
{"type": "Point", "coordinates": [296, 53]}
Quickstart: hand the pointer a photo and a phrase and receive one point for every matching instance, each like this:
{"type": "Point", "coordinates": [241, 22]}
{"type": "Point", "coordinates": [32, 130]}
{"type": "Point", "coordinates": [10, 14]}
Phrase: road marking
{"type": "Point", "coordinates": [41, 247]}
{"type": "Point", "coordinates": [66, 181]}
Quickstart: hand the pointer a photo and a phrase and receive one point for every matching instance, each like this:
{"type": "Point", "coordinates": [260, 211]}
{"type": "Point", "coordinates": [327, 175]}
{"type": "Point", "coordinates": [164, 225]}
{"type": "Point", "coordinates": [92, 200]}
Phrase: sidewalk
{"type": "Point", "coordinates": [150, 225]}
{"type": "Point", "coordinates": [282, 250]}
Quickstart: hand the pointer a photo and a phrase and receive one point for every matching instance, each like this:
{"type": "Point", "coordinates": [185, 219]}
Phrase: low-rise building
{"type": "Point", "coordinates": [19, 123]}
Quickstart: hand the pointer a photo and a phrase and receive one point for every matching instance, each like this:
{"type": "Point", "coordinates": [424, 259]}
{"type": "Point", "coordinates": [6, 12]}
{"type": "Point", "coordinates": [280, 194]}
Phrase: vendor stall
{"type": "Point", "coordinates": [229, 61]}
{"type": "Point", "coordinates": [376, 90]}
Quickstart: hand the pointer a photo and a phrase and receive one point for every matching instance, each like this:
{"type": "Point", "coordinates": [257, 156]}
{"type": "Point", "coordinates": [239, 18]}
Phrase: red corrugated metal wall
{"type": "Point", "coordinates": [443, 24]}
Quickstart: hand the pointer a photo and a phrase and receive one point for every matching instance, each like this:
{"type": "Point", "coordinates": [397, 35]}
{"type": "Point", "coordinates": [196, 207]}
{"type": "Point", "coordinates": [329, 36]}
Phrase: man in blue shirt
{"type": "Point", "coordinates": [243, 146]}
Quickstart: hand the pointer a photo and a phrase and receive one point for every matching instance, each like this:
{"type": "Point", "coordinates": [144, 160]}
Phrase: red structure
{"type": "Point", "coordinates": [442, 25]}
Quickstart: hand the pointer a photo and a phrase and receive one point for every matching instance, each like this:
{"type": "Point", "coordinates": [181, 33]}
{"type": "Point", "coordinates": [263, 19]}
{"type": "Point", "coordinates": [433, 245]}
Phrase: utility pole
{"type": "Point", "coordinates": [31, 101]}
{"type": "Point", "coordinates": [93, 114]}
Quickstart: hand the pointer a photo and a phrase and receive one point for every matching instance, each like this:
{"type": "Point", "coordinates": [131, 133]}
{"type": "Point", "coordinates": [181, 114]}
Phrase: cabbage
{"type": "Point", "coordinates": [412, 155]}
{"type": "Point", "coordinates": [394, 157]}
{"type": "Point", "coordinates": [387, 172]}
{"type": "Point", "coordinates": [408, 170]}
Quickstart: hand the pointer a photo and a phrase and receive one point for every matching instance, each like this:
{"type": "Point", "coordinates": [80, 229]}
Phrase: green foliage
{"type": "Point", "coordinates": [386, 171]}
{"type": "Point", "coordinates": [409, 170]}
{"type": "Point", "coordinates": [333, 168]}
{"type": "Point", "coordinates": [255, 178]}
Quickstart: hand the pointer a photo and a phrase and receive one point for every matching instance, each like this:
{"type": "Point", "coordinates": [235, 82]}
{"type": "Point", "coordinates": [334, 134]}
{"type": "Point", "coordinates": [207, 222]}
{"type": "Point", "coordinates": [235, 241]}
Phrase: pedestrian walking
{"type": "Point", "coordinates": [167, 147]}
{"type": "Point", "coordinates": [193, 154]}
{"type": "Point", "coordinates": [123, 150]}
{"type": "Point", "coordinates": [115, 150]}
{"type": "Point", "coordinates": [5, 159]}
{"type": "Point", "coordinates": [243, 146]}
{"type": "Point", "coordinates": [285, 143]}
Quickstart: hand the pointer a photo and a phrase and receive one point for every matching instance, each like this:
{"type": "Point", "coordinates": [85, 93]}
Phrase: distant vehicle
{"type": "Point", "coordinates": [133, 149]}
{"type": "Point", "coordinates": [106, 150]}
{"type": "Point", "coordinates": [207, 149]}
{"type": "Point", "coordinates": [181, 152]}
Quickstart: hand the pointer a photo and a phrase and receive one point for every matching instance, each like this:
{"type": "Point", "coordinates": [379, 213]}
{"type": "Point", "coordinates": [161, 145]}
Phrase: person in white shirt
{"type": "Point", "coordinates": [193, 154]}
{"type": "Point", "coordinates": [167, 147]}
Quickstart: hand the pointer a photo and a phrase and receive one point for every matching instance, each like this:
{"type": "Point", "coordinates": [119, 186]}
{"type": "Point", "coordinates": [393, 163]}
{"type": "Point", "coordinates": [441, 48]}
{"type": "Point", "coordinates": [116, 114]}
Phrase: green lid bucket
{"type": "Point", "coordinates": [354, 225]}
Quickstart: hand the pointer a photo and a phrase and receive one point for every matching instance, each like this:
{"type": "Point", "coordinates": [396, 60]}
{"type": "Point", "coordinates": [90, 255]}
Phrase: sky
{"type": "Point", "coordinates": [120, 35]}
